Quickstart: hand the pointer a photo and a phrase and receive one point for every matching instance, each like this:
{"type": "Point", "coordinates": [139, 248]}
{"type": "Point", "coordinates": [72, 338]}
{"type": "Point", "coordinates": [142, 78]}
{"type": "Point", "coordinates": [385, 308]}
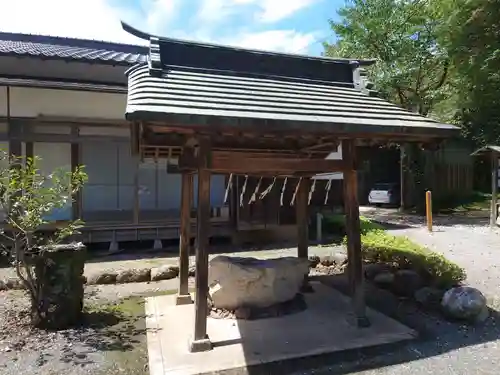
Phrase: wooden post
{"type": "Point", "coordinates": [319, 227]}
{"type": "Point", "coordinates": [201, 341]}
{"type": "Point", "coordinates": [137, 162]}
{"type": "Point", "coordinates": [494, 189]}
{"type": "Point", "coordinates": [354, 259]}
{"type": "Point", "coordinates": [301, 207]}
{"type": "Point", "coordinates": [76, 205]}
{"type": "Point", "coordinates": [183, 296]}
{"type": "Point", "coordinates": [402, 175]}
{"type": "Point", "coordinates": [428, 210]}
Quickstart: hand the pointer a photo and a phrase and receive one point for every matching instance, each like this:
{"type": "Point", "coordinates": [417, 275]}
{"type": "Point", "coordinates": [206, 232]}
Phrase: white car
{"type": "Point", "coordinates": [384, 193]}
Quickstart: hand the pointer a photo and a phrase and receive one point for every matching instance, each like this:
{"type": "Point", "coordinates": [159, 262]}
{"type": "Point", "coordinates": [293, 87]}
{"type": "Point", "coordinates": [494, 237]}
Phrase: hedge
{"type": "Point", "coordinates": [379, 246]}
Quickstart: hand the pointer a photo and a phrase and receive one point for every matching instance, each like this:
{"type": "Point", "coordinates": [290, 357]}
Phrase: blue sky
{"type": "Point", "coordinates": [297, 26]}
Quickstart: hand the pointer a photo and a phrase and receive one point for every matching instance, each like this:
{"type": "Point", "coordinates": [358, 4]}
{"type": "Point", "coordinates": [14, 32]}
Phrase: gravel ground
{"type": "Point", "coordinates": [82, 351]}
{"type": "Point", "coordinates": [444, 347]}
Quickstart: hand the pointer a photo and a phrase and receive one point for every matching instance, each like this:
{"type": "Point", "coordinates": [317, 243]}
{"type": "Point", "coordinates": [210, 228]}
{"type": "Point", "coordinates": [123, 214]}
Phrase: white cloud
{"type": "Point", "coordinates": [90, 19]}
{"type": "Point", "coordinates": [100, 20]}
{"type": "Point", "coordinates": [275, 10]}
{"type": "Point", "coordinates": [274, 40]}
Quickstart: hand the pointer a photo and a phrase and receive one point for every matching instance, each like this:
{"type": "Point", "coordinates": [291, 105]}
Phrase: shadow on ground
{"type": "Point", "coordinates": [436, 337]}
{"type": "Point", "coordinates": [392, 219]}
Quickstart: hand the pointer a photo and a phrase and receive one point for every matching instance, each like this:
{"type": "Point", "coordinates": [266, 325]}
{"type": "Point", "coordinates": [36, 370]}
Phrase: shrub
{"type": "Point", "coordinates": [379, 246]}
{"type": "Point", "coordinates": [336, 224]}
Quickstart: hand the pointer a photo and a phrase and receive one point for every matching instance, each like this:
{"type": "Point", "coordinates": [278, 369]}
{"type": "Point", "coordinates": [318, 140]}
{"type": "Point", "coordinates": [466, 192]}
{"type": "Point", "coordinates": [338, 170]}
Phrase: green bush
{"type": "Point", "coordinates": [336, 224]}
{"type": "Point", "coordinates": [379, 246]}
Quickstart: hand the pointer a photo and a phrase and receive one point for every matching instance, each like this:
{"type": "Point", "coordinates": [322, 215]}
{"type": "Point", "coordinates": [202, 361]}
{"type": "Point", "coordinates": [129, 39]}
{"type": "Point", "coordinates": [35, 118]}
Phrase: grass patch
{"type": "Point", "coordinates": [379, 246]}
{"type": "Point", "coordinates": [121, 333]}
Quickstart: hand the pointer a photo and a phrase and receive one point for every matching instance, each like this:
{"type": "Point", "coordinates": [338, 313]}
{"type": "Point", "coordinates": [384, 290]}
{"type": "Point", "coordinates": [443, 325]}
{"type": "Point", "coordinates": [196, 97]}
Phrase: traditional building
{"type": "Point", "coordinates": [252, 113]}
{"type": "Point", "coordinates": [63, 100]}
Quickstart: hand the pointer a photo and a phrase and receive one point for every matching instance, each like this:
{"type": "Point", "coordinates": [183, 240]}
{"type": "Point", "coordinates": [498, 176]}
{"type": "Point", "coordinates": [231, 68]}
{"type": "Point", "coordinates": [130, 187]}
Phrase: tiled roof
{"type": "Point", "coordinates": [197, 84]}
{"type": "Point", "coordinates": [48, 47]}
{"type": "Point", "coordinates": [205, 97]}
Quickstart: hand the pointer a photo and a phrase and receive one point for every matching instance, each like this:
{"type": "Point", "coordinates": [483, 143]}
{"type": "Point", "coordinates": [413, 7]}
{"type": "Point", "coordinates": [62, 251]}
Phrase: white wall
{"type": "Point", "coordinates": [54, 156]}
{"type": "Point", "coordinates": [33, 102]}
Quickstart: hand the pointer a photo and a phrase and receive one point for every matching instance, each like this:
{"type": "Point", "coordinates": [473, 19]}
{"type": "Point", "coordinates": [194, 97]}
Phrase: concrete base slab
{"type": "Point", "coordinates": [322, 328]}
{"type": "Point", "coordinates": [183, 300]}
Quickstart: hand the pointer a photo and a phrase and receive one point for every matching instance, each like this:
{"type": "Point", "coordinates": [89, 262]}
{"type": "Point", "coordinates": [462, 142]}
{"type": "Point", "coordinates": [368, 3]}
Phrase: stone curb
{"type": "Point", "coordinates": [158, 273]}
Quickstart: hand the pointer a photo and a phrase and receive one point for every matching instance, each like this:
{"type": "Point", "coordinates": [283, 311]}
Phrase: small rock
{"type": "Point", "coordinates": [464, 303]}
{"type": "Point", "coordinates": [406, 283]}
{"type": "Point", "coordinates": [385, 279]}
{"type": "Point", "coordinates": [2, 285]}
{"type": "Point", "coordinates": [429, 297]}
{"type": "Point", "coordinates": [373, 269]}
{"type": "Point", "coordinates": [314, 261]}
{"type": "Point", "coordinates": [134, 275]}
{"type": "Point", "coordinates": [336, 259]}
{"type": "Point", "coordinates": [164, 273]}
{"type": "Point", "coordinates": [106, 277]}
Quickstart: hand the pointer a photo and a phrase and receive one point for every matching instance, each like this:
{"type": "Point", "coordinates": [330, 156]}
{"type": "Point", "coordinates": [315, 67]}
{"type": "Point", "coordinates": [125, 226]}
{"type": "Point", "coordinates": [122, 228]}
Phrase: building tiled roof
{"type": "Point", "coordinates": [197, 84]}
{"type": "Point", "coordinates": [49, 47]}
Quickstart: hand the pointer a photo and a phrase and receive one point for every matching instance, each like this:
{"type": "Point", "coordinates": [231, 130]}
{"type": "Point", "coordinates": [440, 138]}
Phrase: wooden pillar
{"type": "Point", "coordinates": [137, 162]}
{"type": "Point", "coordinates": [494, 189]}
{"type": "Point", "coordinates": [402, 175]}
{"type": "Point", "coordinates": [354, 259]}
{"type": "Point", "coordinates": [301, 207]}
{"type": "Point", "coordinates": [76, 204]}
{"type": "Point", "coordinates": [183, 296]}
{"type": "Point", "coordinates": [201, 341]}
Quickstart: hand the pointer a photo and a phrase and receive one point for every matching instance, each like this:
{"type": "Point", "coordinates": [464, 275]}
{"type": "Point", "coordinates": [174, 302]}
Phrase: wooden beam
{"type": "Point", "coordinates": [251, 164]}
{"type": "Point", "coordinates": [183, 296]}
{"type": "Point", "coordinates": [494, 189]}
{"type": "Point", "coordinates": [354, 259]}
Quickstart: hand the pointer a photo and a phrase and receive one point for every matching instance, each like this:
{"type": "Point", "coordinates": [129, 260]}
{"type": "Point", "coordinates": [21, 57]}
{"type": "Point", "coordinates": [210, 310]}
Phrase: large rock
{"type": "Point", "coordinates": [465, 303]}
{"type": "Point", "coordinates": [429, 297]}
{"type": "Point", "coordinates": [249, 282]}
{"type": "Point", "coordinates": [407, 282]}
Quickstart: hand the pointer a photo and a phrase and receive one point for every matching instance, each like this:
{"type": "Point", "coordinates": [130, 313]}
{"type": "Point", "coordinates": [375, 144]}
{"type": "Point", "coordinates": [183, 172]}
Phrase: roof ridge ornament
{"type": "Point", "coordinates": [154, 61]}
{"type": "Point", "coordinates": [154, 58]}
{"type": "Point", "coordinates": [360, 79]}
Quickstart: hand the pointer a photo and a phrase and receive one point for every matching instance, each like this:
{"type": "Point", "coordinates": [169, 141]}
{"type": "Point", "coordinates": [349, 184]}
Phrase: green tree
{"type": "Point", "coordinates": [27, 197]}
{"type": "Point", "coordinates": [471, 34]}
{"type": "Point", "coordinates": [412, 68]}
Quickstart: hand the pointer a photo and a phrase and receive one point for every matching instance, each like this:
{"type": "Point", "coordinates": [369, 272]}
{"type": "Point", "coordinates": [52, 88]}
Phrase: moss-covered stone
{"type": "Point", "coordinates": [59, 277]}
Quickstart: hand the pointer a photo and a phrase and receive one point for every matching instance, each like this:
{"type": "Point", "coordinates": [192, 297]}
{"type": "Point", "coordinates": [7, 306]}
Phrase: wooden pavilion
{"type": "Point", "coordinates": [254, 113]}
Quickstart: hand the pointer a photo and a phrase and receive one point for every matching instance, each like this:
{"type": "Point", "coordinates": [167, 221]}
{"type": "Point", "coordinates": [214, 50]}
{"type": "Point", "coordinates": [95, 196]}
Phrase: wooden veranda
{"type": "Point", "coordinates": [252, 113]}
